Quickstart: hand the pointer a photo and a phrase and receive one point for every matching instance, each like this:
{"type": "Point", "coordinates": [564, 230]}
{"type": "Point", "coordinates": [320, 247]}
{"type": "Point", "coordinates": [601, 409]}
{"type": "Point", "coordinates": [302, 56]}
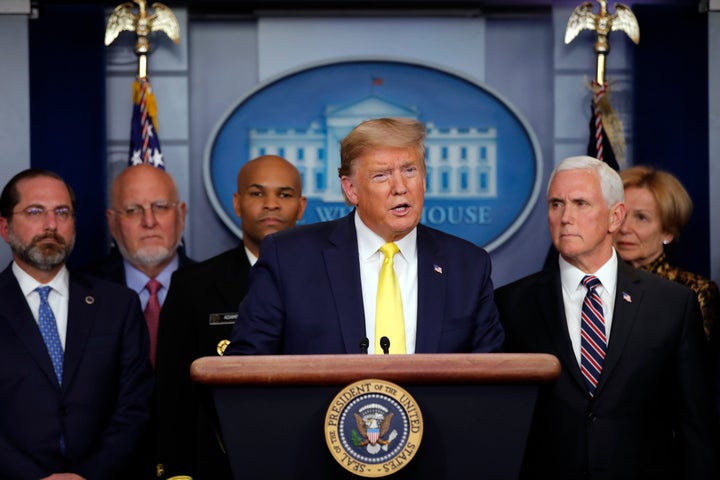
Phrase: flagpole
{"type": "Point", "coordinates": [144, 142]}
{"type": "Point", "coordinates": [124, 19]}
{"type": "Point", "coordinates": [142, 65]}
{"type": "Point", "coordinates": [602, 24]}
{"type": "Point", "coordinates": [606, 127]}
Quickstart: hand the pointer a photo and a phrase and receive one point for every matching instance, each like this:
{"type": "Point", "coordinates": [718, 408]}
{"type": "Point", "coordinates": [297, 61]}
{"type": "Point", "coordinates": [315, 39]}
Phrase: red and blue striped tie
{"type": "Point", "coordinates": [593, 341]}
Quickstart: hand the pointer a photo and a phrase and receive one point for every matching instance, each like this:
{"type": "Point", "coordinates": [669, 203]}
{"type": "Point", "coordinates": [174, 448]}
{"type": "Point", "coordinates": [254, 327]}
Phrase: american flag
{"type": "Point", "coordinates": [144, 142]}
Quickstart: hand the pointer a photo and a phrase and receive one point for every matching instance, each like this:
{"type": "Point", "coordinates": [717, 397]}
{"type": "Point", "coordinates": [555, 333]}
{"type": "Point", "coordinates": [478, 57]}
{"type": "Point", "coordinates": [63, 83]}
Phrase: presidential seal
{"type": "Point", "coordinates": [373, 428]}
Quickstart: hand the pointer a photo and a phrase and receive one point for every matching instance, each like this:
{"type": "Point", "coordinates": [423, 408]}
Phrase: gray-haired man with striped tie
{"type": "Point", "coordinates": [75, 377]}
{"type": "Point", "coordinates": [634, 399]}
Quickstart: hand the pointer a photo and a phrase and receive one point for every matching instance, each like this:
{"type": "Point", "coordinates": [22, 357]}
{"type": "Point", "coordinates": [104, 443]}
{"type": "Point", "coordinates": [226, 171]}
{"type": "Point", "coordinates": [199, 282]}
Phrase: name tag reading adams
{"type": "Point", "coordinates": [223, 318]}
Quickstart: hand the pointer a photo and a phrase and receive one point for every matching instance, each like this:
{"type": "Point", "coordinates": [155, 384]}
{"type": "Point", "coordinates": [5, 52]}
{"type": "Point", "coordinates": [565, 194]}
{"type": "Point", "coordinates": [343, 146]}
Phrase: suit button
{"type": "Point", "coordinates": [64, 411]}
{"type": "Point", "coordinates": [591, 417]}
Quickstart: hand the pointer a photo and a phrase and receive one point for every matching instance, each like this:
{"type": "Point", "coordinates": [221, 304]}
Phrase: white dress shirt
{"type": "Point", "coordinates": [251, 256]}
{"type": "Point", "coordinates": [405, 261]}
{"type": "Point", "coordinates": [58, 297]}
{"type": "Point", "coordinates": [574, 295]}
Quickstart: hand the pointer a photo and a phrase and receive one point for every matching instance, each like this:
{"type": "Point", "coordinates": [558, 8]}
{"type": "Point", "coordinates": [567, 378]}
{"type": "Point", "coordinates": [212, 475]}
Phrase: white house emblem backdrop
{"type": "Point", "coordinates": [483, 161]}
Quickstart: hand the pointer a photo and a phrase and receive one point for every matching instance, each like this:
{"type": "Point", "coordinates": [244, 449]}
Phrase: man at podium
{"type": "Point", "coordinates": [374, 281]}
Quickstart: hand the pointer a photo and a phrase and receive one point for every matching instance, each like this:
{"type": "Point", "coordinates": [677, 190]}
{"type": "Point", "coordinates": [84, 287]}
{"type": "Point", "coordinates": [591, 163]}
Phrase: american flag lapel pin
{"type": "Point", "coordinates": [438, 269]}
{"type": "Point", "coordinates": [627, 297]}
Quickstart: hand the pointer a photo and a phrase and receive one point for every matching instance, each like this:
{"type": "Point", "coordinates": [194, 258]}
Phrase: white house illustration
{"type": "Point", "coordinates": [461, 161]}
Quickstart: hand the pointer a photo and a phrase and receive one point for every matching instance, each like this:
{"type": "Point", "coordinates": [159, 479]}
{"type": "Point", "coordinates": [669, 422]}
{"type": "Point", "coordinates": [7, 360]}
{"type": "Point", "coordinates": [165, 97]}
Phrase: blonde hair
{"type": "Point", "coordinates": [379, 133]}
{"type": "Point", "coordinates": [673, 201]}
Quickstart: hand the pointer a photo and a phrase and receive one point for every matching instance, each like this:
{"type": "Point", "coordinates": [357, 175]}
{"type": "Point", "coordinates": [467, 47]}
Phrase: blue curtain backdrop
{"type": "Point", "coordinates": [67, 112]}
{"type": "Point", "coordinates": [671, 123]}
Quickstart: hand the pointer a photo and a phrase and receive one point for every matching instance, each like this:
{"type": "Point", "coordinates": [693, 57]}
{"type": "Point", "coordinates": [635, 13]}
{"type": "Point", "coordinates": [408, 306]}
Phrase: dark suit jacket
{"type": "Point", "coordinates": [652, 413]}
{"type": "Point", "coordinates": [103, 405]}
{"type": "Point", "coordinates": [715, 354]}
{"type": "Point", "coordinates": [305, 294]}
{"type": "Point", "coordinates": [111, 267]}
{"type": "Point", "coordinates": [198, 313]}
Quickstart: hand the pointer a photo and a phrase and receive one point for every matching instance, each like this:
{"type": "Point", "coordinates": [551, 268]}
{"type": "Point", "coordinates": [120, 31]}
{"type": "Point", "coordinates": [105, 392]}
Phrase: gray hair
{"type": "Point", "coordinates": [611, 184]}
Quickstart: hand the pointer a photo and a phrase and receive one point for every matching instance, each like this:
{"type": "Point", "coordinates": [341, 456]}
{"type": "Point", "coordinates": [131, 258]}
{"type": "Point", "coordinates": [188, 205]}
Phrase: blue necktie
{"type": "Point", "coordinates": [593, 341]}
{"type": "Point", "coordinates": [49, 331]}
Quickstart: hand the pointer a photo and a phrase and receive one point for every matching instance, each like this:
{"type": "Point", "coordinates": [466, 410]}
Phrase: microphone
{"type": "Point", "coordinates": [364, 344]}
{"type": "Point", "coordinates": [385, 345]}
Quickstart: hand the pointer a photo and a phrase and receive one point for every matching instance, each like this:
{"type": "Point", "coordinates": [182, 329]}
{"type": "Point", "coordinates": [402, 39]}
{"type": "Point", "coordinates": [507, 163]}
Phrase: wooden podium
{"type": "Point", "coordinates": [476, 410]}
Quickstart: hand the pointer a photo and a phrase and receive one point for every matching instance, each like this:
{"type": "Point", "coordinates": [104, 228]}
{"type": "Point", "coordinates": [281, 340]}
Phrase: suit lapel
{"type": "Point", "coordinates": [16, 313]}
{"type": "Point", "coordinates": [628, 294]}
{"type": "Point", "coordinates": [431, 292]}
{"type": "Point", "coordinates": [343, 268]}
{"type": "Point", "coordinates": [234, 278]}
{"type": "Point", "coordinates": [550, 306]}
{"type": "Point", "coordinates": [113, 267]}
{"type": "Point", "coordinates": [82, 312]}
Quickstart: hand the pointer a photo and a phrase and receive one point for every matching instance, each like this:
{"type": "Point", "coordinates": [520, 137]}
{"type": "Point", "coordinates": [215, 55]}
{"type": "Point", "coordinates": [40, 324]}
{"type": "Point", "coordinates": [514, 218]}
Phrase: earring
{"type": "Point", "coordinates": [665, 242]}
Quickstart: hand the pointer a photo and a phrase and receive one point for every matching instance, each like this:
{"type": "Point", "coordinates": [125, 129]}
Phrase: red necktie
{"type": "Point", "coordinates": [152, 315]}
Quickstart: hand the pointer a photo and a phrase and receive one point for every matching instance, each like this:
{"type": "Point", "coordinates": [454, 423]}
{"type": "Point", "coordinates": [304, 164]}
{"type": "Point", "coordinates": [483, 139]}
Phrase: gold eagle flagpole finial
{"type": "Point", "coordinates": [602, 23]}
{"type": "Point", "coordinates": [124, 19]}
{"type": "Point", "coordinates": [605, 121]}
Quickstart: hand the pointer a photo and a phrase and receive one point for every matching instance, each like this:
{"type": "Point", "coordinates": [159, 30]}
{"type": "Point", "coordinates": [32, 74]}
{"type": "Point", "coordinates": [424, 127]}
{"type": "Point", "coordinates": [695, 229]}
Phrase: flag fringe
{"type": "Point", "coordinates": [150, 102]}
{"type": "Point", "coordinates": [611, 123]}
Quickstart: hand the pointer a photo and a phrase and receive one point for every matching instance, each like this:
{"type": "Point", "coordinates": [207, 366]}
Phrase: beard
{"type": "Point", "coordinates": [46, 256]}
{"type": "Point", "coordinates": [148, 256]}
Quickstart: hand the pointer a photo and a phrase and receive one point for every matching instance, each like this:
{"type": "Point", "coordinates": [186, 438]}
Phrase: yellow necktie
{"type": "Point", "coordinates": [389, 320]}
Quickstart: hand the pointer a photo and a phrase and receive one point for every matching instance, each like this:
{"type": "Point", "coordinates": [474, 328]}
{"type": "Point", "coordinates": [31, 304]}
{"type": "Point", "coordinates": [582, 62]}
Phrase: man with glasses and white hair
{"type": "Point", "coordinates": [75, 380]}
{"type": "Point", "coordinates": [146, 220]}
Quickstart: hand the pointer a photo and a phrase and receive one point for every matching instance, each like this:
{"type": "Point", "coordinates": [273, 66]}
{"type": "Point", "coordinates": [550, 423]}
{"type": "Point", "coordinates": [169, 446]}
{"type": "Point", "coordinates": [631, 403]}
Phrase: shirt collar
{"type": "Point", "coordinates": [251, 256]}
{"type": "Point", "coordinates": [60, 283]}
{"type": "Point", "coordinates": [571, 276]}
{"type": "Point", "coordinates": [137, 280]}
{"type": "Point", "coordinates": [370, 242]}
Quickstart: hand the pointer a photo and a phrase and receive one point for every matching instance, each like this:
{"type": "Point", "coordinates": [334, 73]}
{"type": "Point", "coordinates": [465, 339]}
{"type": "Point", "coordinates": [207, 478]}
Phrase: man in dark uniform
{"type": "Point", "coordinates": [198, 315]}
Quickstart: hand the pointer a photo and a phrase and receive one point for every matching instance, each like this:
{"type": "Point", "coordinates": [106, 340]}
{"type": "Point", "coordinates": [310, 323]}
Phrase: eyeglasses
{"type": "Point", "coordinates": [159, 208]}
{"type": "Point", "coordinates": [38, 214]}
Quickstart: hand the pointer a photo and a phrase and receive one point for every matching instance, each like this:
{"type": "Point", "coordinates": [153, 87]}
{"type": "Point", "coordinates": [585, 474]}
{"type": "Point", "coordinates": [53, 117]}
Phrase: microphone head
{"type": "Point", "coordinates": [385, 344]}
{"type": "Point", "coordinates": [364, 344]}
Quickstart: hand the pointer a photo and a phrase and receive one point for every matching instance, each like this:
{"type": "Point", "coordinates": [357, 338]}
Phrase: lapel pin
{"type": "Point", "coordinates": [627, 297]}
{"type": "Point", "coordinates": [89, 299]}
{"type": "Point", "coordinates": [438, 269]}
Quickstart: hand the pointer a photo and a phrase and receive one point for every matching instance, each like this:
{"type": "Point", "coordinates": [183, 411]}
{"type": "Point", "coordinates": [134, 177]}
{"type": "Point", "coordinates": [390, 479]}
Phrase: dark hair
{"type": "Point", "coordinates": [10, 196]}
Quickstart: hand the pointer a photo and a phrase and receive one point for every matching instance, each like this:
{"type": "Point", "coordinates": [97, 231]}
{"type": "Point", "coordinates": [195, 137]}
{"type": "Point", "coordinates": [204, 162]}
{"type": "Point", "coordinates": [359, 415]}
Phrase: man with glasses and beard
{"type": "Point", "coordinates": [146, 219]}
{"type": "Point", "coordinates": [75, 381]}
